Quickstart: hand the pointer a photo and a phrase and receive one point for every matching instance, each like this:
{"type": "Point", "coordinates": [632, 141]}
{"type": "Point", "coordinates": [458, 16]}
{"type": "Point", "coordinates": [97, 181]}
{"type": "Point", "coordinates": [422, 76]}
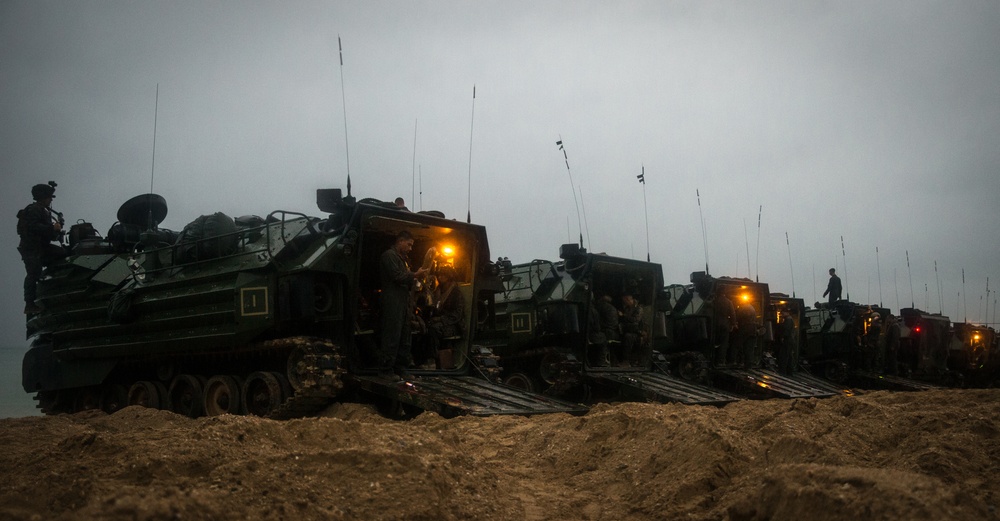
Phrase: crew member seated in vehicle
{"type": "Point", "coordinates": [39, 226]}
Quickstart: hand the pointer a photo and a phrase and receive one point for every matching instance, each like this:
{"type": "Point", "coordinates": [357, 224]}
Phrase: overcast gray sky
{"type": "Point", "coordinates": [875, 121]}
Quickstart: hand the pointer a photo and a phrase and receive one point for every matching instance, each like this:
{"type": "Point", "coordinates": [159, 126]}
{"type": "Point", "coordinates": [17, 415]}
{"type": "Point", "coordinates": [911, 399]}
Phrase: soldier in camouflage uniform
{"type": "Point", "coordinates": [38, 229]}
{"type": "Point", "coordinates": [398, 282]}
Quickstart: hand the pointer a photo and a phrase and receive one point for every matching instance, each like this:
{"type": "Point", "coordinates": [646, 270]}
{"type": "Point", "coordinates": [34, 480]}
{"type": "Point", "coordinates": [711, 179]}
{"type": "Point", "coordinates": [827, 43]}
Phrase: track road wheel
{"type": "Point", "coordinates": [113, 398]}
{"type": "Point", "coordinates": [521, 381]}
{"type": "Point", "coordinates": [87, 399]}
{"type": "Point", "coordinates": [223, 395]}
{"type": "Point", "coordinates": [186, 395]}
{"type": "Point", "coordinates": [263, 392]}
{"type": "Point", "coordinates": [835, 372]}
{"type": "Point", "coordinates": [148, 394]}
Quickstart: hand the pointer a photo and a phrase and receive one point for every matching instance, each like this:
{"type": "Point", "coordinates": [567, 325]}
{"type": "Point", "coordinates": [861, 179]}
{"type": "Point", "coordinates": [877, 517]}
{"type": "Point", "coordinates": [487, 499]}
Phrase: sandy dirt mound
{"type": "Point", "coordinates": [916, 456]}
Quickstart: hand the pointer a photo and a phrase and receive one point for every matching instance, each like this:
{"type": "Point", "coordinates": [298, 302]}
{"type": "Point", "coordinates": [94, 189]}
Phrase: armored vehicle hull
{"type": "Point", "coordinates": [274, 317]}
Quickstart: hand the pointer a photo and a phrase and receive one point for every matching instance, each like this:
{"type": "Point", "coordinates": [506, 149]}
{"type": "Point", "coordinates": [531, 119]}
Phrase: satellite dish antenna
{"type": "Point", "coordinates": [143, 211]}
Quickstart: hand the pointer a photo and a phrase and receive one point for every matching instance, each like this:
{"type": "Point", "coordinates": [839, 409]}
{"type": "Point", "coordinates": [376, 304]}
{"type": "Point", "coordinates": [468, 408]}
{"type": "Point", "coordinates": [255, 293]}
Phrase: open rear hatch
{"type": "Point", "coordinates": [659, 387]}
{"type": "Point", "coordinates": [463, 395]}
{"type": "Point", "coordinates": [771, 384]}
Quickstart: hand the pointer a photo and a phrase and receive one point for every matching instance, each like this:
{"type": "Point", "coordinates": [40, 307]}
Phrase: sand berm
{"type": "Point", "coordinates": [929, 455]}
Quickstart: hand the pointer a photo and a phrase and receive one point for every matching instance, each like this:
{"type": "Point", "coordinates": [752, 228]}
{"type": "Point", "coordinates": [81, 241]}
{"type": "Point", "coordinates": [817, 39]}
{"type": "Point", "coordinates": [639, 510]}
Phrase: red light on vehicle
{"type": "Point", "coordinates": [916, 329]}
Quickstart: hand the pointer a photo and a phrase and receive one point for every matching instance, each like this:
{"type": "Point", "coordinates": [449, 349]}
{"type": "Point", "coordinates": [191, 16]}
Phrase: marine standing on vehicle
{"type": "Point", "coordinates": [38, 225]}
{"type": "Point", "coordinates": [833, 288]}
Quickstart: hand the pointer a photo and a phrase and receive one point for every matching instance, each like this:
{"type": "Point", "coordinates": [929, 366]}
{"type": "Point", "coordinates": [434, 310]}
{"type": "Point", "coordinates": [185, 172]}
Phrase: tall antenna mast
{"type": "Point", "coordinates": [472, 126]}
{"type": "Point", "coordinates": [583, 206]}
{"type": "Point", "coordinates": [878, 270]}
{"type": "Point", "coordinates": [413, 174]}
{"type": "Point", "coordinates": [746, 241]}
{"type": "Point", "coordinates": [152, 168]}
{"type": "Point", "coordinates": [895, 284]}
{"type": "Point", "coordinates": [704, 232]}
{"type": "Point", "coordinates": [965, 298]}
{"type": "Point", "coordinates": [847, 286]}
{"type": "Point", "coordinates": [420, 174]}
{"type": "Point", "coordinates": [343, 99]}
{"type": "Point", "coordinates": [642, 180]}
{"type": "Point", "coordinates": [572, 188]}
{"type": "Point", "coordinates": [910, 274]}
{"type": "Point", "coordinates": [790, 270]}
{"type": "Point", "coordinates": [757, 260]}
{"type": "Point", "coordinates": [937, 280]}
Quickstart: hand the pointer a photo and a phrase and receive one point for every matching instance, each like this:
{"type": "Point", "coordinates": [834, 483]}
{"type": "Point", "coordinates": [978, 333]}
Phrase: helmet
{"type": "Point", "coordinates": [39, 192]}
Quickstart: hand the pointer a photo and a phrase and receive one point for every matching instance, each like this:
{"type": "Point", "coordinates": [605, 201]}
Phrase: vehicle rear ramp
{"type": "Point", "coordinates": [660, 387]}
{"type": "Point", "coordinates": [463, 395]}
{"type": "Point", "coordinates": [888, 382]}
{"type": "Point", "coordinates": [769, 384]}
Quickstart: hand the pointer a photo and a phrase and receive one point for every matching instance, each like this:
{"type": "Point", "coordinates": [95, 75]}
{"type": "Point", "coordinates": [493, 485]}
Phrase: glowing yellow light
{"type": "Point", "coordinates": [745, 297]}
{"type": "Point", "coordinates": [448, 251]}
{"type": "Point", "coordinates": [976, 337]}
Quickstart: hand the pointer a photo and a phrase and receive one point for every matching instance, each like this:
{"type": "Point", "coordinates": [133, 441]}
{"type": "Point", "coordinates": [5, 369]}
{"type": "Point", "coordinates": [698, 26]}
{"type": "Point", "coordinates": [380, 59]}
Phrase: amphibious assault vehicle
{"type": "Point", "coordinates": [728, 331]}
{"type": "Point", "coordinates": [273, 316]}
{"type": "Point", "coordinates": [851, 344]}
{"type": "Point", "coordinates": [582, 328]}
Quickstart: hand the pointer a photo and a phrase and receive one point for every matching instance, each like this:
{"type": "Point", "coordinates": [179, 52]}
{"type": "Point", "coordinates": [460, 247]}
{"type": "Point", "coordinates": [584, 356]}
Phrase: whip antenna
{"type": "Point", "coordinates": [847, 286]}
{"type": "Point", "coordinates": [757, 260]}
{"type": "Point", "coordinates": [573, 189]}
{"type": "Point", "coordinates": [583, 206]}
{"type": "Point", "coordinates": [343, 99]}
{"type": "Point", "coordinates": [965, 298]}
{"type": "Point", "coordinates": [937, 281]}
{"type": "Point", "coordinates": [986, 316]}
{"type": "Point", "coordinates": [746, 241]}
{"type": "Point", "coordinates": [878, 271]}
{"type": "Point", "coordinates": [790, 270]}
{"type": "Point", "coordinates": [472, 126]}
{"type": "Point", "coordinates": [704, 232]}
{"type": "Point", "coordinates": [642, 180]}
{"type": "Point", "coordinates": [152, 168]}
{"type": "Point", "coordinates": [910, 274]}
{"type": "Point", "coordinates": [420, 174]}
{"type": "Point", "coordinates": [895, 284]}
{"type": "Point", "coordinates": [413, 174]}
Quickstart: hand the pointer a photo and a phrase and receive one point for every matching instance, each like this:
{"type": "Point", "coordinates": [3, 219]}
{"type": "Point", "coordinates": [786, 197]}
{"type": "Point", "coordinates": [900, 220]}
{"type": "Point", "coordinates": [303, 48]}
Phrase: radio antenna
{"type": "Point", "coordinates": [704, 232]}
{"type": "Point", "coordinates": [910, 274]}
{"type": "Point", "coordinates": [757, 260]}
{"type": "Point", "coordinates": [573, 189]}
{"type": "Point", "coordinates": [895, 284]}
{"type": "Point", "coordinates": [847, 285]}
{"type": "Point", "coordinates": [746, 241]}
{"type": "Point", "coordinates": [878, 271]}
{"type": "Point", "coordinates": [645, 209]}
{"type": "Point", "coordinates": [343, 99]}
{"type": "Point", "coordinates": [965, 297]}
{"type": "Point", "coordinates": [583, 206]}
{"type": "Point", "coordinates": [420, 174]}
{"type": "Point", "coordinates": [413, 174]}
{"type": "Point", "coordinates": [790, 270]}
{"type": "Point", "coordinates": [937, 281]}
{"type": "Point", "coordinates": [472, 126]}
{"type": "Point", "coordinates": [152, 168]}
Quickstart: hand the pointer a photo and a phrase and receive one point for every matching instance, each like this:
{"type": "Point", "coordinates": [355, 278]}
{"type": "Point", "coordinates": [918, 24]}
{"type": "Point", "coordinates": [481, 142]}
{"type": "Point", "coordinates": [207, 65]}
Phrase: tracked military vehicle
{"type": "Point", "coordinates": [273, 316]}
{"type": "Point", "coordinates": [972, 354]}
{"type": "Point", "coordinates": [581, 328]}
{"type": "Point", "coordinates": [847, 343]}
{"type": "Point", "coordinates": [721, 330]}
